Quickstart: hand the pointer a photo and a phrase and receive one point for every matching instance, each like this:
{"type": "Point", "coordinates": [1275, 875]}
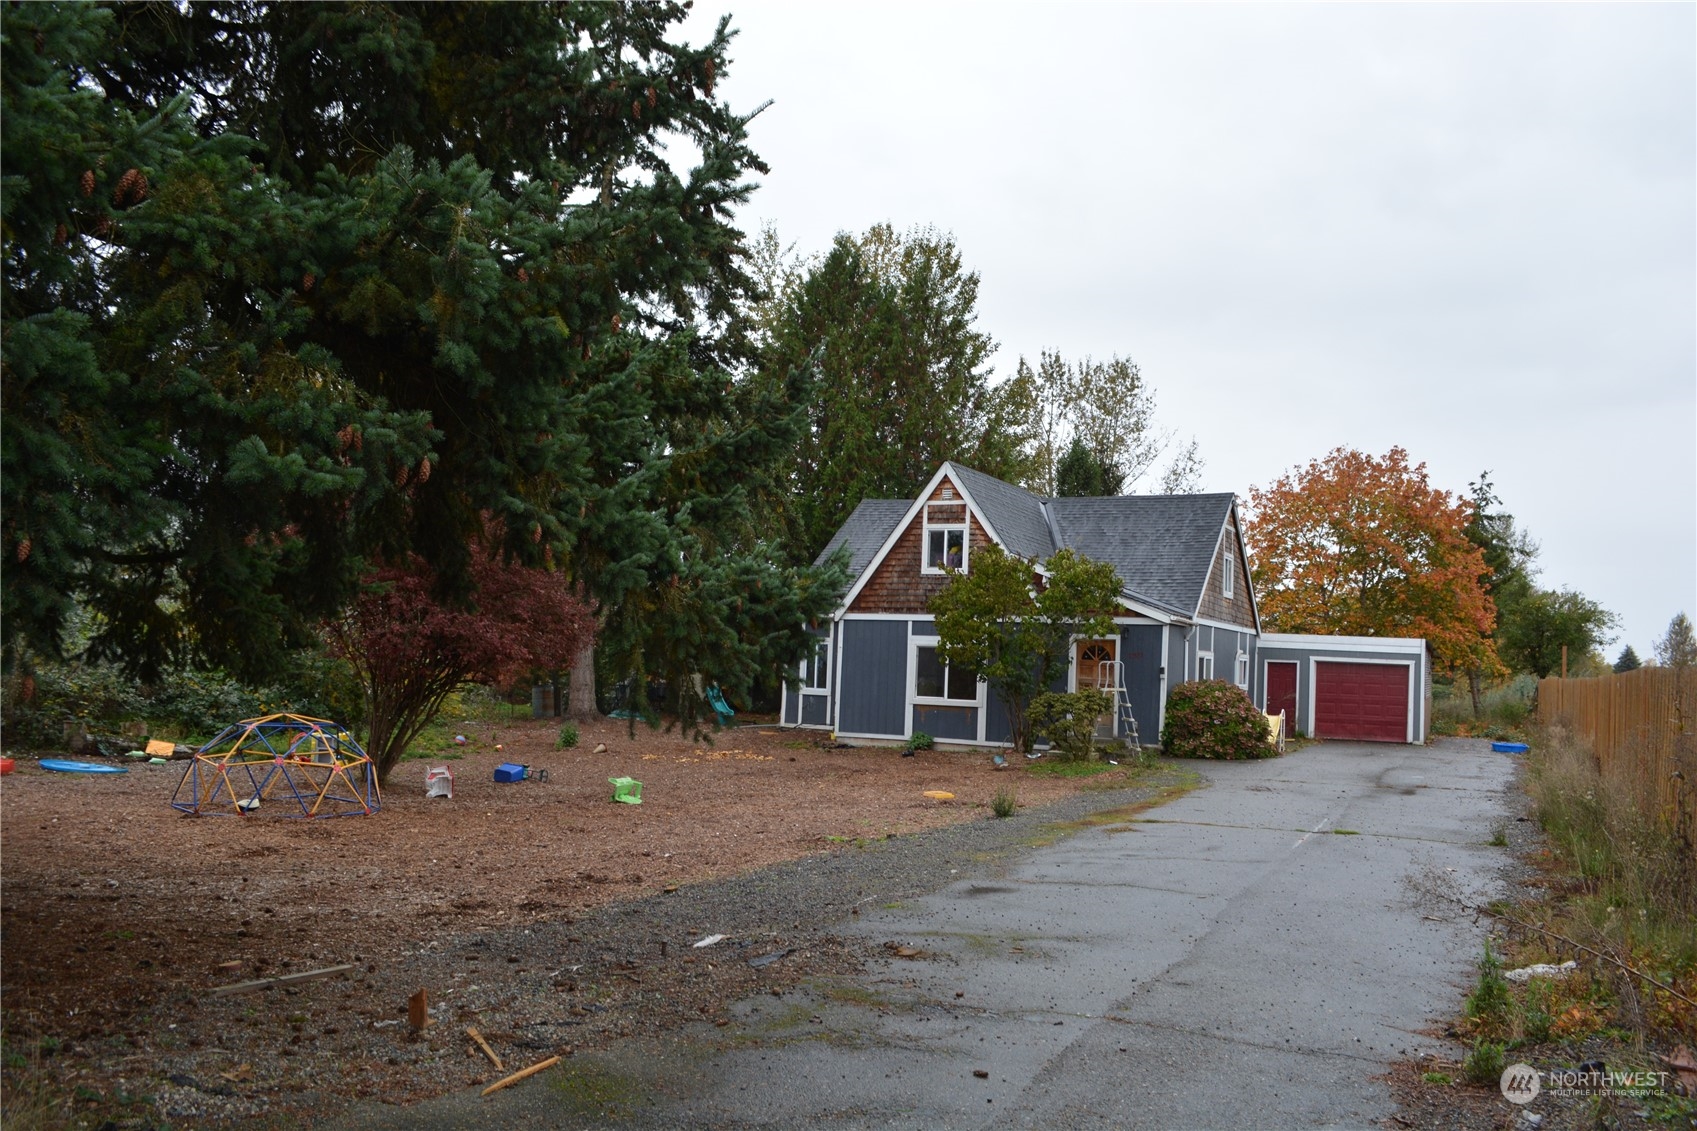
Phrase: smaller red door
{"type": "Point", "coordinates": [1281, 692]}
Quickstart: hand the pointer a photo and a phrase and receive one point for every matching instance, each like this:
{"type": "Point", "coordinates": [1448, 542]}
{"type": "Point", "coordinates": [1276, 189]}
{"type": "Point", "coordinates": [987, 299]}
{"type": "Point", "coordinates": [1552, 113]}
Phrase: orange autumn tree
{"type": "Point", "coordinates": [1355, 545]}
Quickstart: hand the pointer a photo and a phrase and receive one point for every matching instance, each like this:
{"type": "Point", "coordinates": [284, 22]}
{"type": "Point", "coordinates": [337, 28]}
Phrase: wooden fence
{"type": "Point", "coordinates": [1642, 726]}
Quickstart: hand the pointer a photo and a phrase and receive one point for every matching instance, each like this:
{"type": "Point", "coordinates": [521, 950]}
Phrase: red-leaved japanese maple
{"type": "Point", "coordinates": [412, 650]}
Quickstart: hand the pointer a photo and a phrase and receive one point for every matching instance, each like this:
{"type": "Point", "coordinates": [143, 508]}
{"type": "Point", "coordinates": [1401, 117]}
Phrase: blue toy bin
{"type": "Point", "coordinates": [1510, 747]}
{"type": "Point", "coordinates": [510, 771]}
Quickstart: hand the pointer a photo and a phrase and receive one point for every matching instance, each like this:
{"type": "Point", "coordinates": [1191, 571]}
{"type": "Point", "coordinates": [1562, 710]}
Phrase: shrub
{"type": "Point", "coordinates": [1214, 719]}
{"type": "Point", "coordinates": [1068, 721]}
{"type": "Point", "coordinates": [1004, 803]}
{"type": "Point", "coordinates": [1484, 1063]}
{"type": "Point", "coordinates": [568, 736]}
{"type": "Point", "coordinates": [920, 741]}
{"type": "Point", "coordinates": [1490, 1000]}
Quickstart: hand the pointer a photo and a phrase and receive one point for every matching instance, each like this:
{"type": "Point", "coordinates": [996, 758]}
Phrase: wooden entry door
{"type": "Point", "coordinates": [1281, 692]}
{"type": "Point", "coordinates": [1096, 667]}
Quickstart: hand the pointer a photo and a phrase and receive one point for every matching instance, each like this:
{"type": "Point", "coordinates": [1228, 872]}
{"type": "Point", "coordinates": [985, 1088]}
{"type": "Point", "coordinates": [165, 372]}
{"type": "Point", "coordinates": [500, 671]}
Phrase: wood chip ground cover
{"type": "Point", "coordinates": [540, 913]}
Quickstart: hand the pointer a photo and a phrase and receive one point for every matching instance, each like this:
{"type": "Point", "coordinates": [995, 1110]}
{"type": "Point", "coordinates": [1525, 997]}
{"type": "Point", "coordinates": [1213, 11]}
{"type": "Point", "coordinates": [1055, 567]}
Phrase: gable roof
{"type": "Point", "coordinates": [1015, 514]}
{"type": "Point", "coordinates": [1162, 546]}
{"type": "Point", "coordinates": [864, 532]}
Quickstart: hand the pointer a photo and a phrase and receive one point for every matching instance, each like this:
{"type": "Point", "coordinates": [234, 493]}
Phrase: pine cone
{"type": "Point", "coordinates": [617, 322]}
{"type": "Point", "coordinates": [88, 182]}
{"type": "Point", "coordinates": [423, 471]}
{"type": "Point", "coordinates": [536, 533]}
{"type": "Point", "coordinates": [636, 108]}
{"type": "Point", "coordinates": [401, 474]}
{"type": "Point", "coordinates": [344, 437]}
{"type": "Point", "coordinates": [24, 547]}
{"type": "Point", "coordinates": [60, 235]}
{"type": "Point", "coordinates": [524, 276]}
{"type": "Point", "coordinates": [307, 280]}
{"type": "Point", "coordinates": [131, 186]}
{"type": "Point", "coordinates": [653, 97]}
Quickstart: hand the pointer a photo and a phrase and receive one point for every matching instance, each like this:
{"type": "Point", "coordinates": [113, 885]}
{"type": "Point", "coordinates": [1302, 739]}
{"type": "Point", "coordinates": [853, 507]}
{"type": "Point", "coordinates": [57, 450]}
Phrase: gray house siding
{"type": "Point", "coordinates": [1305, 650]}
{"type": "Point", "coordinates": [946, 722]}
{"type": "Point", "coordinates": [1179, 654]}
{"type": "Point", "coordinates": [872, 678]}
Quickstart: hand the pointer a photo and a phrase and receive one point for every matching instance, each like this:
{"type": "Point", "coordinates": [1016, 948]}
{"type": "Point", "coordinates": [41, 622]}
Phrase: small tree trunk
{"type": "Point", "coordinates": [581, 706]}
{"type": "Point", "coordinates": [1473, 688]}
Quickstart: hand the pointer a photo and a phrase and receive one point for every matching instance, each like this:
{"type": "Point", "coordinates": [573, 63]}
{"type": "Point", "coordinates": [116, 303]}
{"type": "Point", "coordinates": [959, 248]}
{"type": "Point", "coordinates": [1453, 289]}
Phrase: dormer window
{"type": "Point", "coordinates": [945, 537]}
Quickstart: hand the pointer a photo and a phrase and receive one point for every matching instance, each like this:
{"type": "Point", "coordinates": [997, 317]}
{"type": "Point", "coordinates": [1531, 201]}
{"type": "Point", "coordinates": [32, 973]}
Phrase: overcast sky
{"type": "Point", "coordinates": [1465, 229]}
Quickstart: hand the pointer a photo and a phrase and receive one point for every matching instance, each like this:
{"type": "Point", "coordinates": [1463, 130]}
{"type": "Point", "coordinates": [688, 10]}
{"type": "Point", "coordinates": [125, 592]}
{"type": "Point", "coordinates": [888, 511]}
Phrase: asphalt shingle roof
{"type": "Point", "coordinates": [1015, 513]}
{"type": "Point", "coordinates": [1161, 545]}
{"type": "Point", "coordinates": [864, 532]}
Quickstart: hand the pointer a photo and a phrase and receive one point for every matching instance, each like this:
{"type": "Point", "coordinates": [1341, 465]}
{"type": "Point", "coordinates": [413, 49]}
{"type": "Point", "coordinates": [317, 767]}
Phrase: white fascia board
{"type": "Point", "coordinates": [1228, 626]}
{"type": "Point", "coordinates": [1248, 566]}
{"type": "Point", "coordinates": [1413, 645]}
{"type": "Point", "coordinates": [907, 520]}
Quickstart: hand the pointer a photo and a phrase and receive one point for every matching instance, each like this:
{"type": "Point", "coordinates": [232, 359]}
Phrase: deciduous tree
{"type": "Point", "coordinates": [1363, 545]}
{"type": "Point", "coordinates": [1545, 621]}
{"type": "Point", "coordinates": [412, 650]}
{"type": "Point", "coordinates": [1014, 626]}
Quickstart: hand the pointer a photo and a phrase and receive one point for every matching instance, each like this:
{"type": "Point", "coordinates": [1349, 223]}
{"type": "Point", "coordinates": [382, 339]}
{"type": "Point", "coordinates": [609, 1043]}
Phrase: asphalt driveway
{"type": "Point", "coordinates": [1253, 954]}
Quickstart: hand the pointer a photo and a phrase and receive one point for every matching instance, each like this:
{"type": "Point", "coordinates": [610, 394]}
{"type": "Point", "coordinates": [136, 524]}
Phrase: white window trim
{"type": "Point", "coordinates": [927, 526]}
{"type": "Point", "coordinates": [823, 652]}
{"type": "Point", "coordinates": [1242, 676]}
{"type": "Point", "coordinates": [1201, 658]}
{"type": "Point", "coordinates": [916, 699]}
{"type": "Point", "coordinates": [1229, 575]}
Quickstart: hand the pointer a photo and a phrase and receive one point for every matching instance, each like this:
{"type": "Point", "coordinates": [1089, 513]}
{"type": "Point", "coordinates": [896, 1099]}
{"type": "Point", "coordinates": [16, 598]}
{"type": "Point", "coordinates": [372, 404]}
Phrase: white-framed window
{"type": "Point", "coordinates": [1204, 665]}
{"type": "Point", "coordinates": [937, 682]}
{"type": "Point", "coordinates": [946, 544]}
{"type": "Point", "coordinates": [1243, 670]}
{"type": "Point", "coordinates": [1228, 576]}
{"type": "Point", "coordinates": [816, 669]}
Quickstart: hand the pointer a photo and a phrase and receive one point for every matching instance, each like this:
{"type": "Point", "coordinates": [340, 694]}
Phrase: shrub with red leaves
{"type": "Point", "coordinates": [1214, 719]}
{"type": "Point", "coordinates": [412, 650]}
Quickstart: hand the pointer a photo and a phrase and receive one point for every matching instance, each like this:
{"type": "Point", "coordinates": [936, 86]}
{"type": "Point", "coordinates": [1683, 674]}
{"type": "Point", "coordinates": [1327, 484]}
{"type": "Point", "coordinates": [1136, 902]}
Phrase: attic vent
{"type": "Point", "coordinates": [948, 492]}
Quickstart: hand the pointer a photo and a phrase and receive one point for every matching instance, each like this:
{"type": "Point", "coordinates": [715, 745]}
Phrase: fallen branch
{"type": "Point", "coordinates": [520, 1075]}
{"type": "Point", "coordinates": [280, 980]}
{"type": "Point", "coordinates": [1635, 972]}
{"type": "Point", "coordinates": [484, 1045]}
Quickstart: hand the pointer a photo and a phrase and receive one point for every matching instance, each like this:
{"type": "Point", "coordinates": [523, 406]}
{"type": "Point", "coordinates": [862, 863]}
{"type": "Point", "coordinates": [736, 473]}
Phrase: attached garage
{"type": "Point", "coordinates": [1356, 688]}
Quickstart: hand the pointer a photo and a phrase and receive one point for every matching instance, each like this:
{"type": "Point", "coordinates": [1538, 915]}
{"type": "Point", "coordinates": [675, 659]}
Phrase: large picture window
{"type": "Point", "coordinates": [934, 679]}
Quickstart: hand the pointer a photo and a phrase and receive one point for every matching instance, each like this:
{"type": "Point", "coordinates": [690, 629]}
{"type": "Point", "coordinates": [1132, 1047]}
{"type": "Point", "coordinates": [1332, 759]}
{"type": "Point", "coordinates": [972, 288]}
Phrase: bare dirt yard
{"type": "Point", "coordinates": [121, 914]}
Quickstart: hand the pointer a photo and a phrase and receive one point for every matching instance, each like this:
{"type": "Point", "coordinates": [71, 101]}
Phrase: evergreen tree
{"type": "Point", "coordinates": [1678, 647]}
{"type": "Point", "coordinates": [308, 285]}
{"type": "Point", "coordinates": [890, 322]}
{"type": "Point", "coordinates": [1628, 661]}
{"type": "Point", "coordinates": [1080, 474]}
{"type": "Point", "coordinates": [1509, 555]}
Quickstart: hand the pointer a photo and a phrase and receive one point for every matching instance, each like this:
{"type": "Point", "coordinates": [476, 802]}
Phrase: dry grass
{"type": "Point", "coordinates": [1624, 882]}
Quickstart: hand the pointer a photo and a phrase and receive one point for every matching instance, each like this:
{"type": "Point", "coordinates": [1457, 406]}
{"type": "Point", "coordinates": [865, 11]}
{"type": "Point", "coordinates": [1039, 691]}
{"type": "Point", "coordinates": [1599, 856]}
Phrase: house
{"type": "Point", "coordinates": [1186, 610]}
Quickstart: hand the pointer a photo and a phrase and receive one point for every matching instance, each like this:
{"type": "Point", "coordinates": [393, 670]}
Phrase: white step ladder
{"type": "Point", "coordinates": [1110, 677]}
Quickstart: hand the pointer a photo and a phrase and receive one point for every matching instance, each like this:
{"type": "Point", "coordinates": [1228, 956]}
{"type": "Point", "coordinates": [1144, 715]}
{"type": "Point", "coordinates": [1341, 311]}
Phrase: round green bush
{"type": "Point", "coordinates": [1214, 719]}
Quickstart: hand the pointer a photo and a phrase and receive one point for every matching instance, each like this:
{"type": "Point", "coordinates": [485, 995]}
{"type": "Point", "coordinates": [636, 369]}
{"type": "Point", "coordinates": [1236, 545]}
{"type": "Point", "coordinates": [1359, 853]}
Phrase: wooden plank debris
{"type": "Point", "coordinates": [472, 1032]}
{"type": "Point", "coordinates": [520, 1075]}
{"type": "Point", "coordinates": [280, 980]}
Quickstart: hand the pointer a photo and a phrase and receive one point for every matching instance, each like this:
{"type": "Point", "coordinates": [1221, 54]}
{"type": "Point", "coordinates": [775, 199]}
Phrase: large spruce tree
{"type": "Point", "coordinates": [292, 287]}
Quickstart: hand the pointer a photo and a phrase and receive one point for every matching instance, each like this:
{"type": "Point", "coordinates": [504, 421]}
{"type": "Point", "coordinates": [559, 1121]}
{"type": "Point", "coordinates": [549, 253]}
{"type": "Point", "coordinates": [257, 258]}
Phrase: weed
{"type": "Point", "coordinates": [1004, 803]}
{"type": "Point", "coordinates": [920, 741]}
{"type": "Point", "coordinates": [568, 736]}
{"type": "Point", "coordinates": [1499, 835]}
{"type": "Point", "coordinates": [1346, 832]}
{"type": "Point", "coordinates": [1437, 1078]}
{"type": "Point", "coordinates": [1490, 1001]}
{"type": "Point", "coordinates": [1484, 1062]}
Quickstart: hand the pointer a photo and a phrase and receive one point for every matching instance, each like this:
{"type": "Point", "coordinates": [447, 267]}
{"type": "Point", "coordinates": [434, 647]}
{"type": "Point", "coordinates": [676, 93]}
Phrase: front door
{"type": "Point", "coordinates": [1096, 666]}
{"type": "Point", "coordinates": [1281, 692]}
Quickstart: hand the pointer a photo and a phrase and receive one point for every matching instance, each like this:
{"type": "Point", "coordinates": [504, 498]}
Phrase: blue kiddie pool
{"type": "Point", "coordinates": [1510, 747]}
{"type": "Point", "coordinates": [64, 767]}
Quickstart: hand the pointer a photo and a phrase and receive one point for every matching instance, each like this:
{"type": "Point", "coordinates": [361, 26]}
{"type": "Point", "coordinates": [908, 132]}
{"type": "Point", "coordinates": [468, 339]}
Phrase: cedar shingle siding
{"type": "Point", "coordinates": [898, 586]}
{"type": "Point", "coordinates": [1215, 604]}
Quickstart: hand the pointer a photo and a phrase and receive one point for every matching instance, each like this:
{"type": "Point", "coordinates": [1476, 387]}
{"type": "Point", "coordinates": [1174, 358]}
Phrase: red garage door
{"type": "Point", "coordinates": [1362, 701]}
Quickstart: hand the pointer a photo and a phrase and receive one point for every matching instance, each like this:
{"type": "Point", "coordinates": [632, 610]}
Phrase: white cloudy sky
{"type": "Point", "coordinates": [1465, 229]}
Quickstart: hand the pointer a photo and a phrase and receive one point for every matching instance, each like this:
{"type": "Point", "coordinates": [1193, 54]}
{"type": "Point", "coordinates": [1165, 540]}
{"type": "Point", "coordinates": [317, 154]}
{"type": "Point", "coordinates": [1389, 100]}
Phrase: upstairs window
{"type": "Point", "coordinates": [936, 680]}
{"type": "Point", "coordinates": [945, 537]}
{"type": "Point", "coordinates": [1229, 576]}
